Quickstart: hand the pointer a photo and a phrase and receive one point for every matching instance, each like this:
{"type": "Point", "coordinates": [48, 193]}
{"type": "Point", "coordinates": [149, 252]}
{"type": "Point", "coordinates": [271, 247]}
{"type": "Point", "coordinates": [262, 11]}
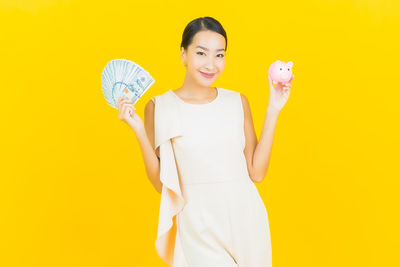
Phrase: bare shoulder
{"type": "Point", "coordinates": [248, 120]}
{"type": "Point", "coordinates": [149, 120]}
{"type": "Point", "coordinates": [149, 114]}
{"type": "Point", "coordinates": [244, 98]}
{"type": "Point", "coordinates": [245, 102]}
{"type": "Point", "coordinates": [149, 107]}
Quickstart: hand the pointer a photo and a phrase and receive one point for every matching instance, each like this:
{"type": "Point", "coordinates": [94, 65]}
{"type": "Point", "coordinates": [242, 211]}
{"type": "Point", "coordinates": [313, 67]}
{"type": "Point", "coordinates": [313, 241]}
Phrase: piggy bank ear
{"type": "Point", "coordinates": [290, 64]}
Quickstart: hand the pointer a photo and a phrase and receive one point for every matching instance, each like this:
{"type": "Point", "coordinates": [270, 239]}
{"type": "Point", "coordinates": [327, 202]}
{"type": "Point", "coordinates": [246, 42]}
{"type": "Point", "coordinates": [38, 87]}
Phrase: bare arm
{"type": "Point", "coordinates": [258, 153]}
{"type": "Point", "coordinates": [145, 138]}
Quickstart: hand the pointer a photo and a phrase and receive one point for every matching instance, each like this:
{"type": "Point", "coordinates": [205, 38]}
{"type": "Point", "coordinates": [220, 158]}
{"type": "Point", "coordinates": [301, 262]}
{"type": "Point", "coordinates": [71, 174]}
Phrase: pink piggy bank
{"type": "Point", "coordinates": [280, 72]}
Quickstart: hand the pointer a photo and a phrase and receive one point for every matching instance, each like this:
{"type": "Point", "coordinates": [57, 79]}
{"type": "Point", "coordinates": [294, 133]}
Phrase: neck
{"type": "Point", "coordinates": [195, 89]}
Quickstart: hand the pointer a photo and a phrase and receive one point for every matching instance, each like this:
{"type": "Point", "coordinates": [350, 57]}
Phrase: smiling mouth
{"type": "Point", "coordinates": [207, 75]}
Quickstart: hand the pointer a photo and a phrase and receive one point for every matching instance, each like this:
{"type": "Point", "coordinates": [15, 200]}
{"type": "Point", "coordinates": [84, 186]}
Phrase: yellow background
{"type": "Point", "coordinates": [73, 187]}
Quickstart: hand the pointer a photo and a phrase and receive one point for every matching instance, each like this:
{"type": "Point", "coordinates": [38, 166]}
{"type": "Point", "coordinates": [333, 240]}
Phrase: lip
{"type": "Point", "coordinates": [206, 75]}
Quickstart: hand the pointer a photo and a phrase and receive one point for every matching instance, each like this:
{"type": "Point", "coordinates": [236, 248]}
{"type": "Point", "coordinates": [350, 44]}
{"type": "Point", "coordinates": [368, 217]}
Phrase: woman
{"type": "Point", "coordinates": [201, 153]}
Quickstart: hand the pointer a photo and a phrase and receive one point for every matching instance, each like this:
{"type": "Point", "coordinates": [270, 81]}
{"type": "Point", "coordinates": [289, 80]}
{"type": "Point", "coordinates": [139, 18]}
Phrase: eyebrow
{"type": "Point", "coordinates": [202, 47]}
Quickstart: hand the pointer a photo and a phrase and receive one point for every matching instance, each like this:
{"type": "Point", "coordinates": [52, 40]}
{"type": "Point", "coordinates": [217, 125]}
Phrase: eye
{"type": "Point", "coordinates": [199, 53]}
{"type": "Point", "coordinates": [280, 69]}
{"type": "Point", "coordinates": [221, 55]}
{"type": "Point", "coordinates": [288, 69]}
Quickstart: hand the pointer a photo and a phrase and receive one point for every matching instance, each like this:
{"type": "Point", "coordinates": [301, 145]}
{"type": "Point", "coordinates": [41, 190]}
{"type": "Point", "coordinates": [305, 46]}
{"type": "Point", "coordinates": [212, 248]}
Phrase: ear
{"type": "Point", "coordinates": [183, 54]}
{"type": "Point", "coordinates": [290, 63]}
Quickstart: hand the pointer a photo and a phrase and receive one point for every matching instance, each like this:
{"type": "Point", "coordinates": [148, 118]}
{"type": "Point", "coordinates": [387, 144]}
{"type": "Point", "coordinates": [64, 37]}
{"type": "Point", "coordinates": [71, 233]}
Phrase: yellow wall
{"type": "Point", "coordinates": [71, 193]}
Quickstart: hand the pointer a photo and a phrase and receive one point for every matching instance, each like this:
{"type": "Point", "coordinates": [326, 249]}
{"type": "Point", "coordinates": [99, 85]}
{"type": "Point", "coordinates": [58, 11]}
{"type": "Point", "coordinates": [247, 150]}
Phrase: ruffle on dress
{"type": "Point", "coordinates": [167, 125]}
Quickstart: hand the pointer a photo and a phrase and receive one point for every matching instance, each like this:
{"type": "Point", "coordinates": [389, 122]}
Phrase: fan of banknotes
{"type": "Point", "coordinates": [122, 76]}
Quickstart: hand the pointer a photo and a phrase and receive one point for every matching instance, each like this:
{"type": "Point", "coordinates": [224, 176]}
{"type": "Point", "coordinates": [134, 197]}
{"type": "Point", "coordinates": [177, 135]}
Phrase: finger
{"type": "Point", "coordinates": [129, 110]}
{"type": "Point", "coordinates": [122, 111]}
{"type": "Point", "coordinates": [270, 82]}
{"type": "Point", "coordinates": [120, 105]}
{"type": "Point", "coordinates": [125, 101]}
{"type": "Point", "coordinates": [288, 85]}
{"type": "Point", "coordinates": [119, 100]}
{"type": "Point", "coordinates": [127, 106]}
{"type": "Point", "coordinates": [121, 97]}
{"type": "Point", "coordinates": [132, 110]}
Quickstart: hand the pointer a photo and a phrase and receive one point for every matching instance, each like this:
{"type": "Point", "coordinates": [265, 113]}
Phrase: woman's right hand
{"type": "Point", "coordinates": [126, 113]}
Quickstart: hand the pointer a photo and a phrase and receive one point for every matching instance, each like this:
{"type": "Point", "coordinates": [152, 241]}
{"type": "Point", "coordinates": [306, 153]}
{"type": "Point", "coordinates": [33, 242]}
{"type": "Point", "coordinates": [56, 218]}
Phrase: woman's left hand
{"type": "Point", "coordinates": [279, 94]}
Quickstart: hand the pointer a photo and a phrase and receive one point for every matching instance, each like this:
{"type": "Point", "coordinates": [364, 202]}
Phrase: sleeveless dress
{"type": "Point", "coordinates": [211, 213]}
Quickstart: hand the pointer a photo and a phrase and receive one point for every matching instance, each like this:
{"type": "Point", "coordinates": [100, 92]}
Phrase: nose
{"type": "Point", "coordinates": [210, 64]}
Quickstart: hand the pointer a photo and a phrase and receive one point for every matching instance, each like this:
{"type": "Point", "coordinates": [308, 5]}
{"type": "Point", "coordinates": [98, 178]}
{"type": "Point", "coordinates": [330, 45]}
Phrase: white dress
{"type": "Point", "coordinates": [211, 214]}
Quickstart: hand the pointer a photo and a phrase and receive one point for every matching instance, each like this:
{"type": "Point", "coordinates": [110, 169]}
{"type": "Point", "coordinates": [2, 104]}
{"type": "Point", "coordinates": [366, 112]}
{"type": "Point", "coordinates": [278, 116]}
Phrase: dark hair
{"type": "Point", "coordinates": [201, 24]}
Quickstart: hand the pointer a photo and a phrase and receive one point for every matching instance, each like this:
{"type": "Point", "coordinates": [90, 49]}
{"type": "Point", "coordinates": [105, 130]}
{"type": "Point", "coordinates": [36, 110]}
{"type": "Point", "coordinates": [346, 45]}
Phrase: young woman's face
{"type": "Point", "coordinates": [206, 54]}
